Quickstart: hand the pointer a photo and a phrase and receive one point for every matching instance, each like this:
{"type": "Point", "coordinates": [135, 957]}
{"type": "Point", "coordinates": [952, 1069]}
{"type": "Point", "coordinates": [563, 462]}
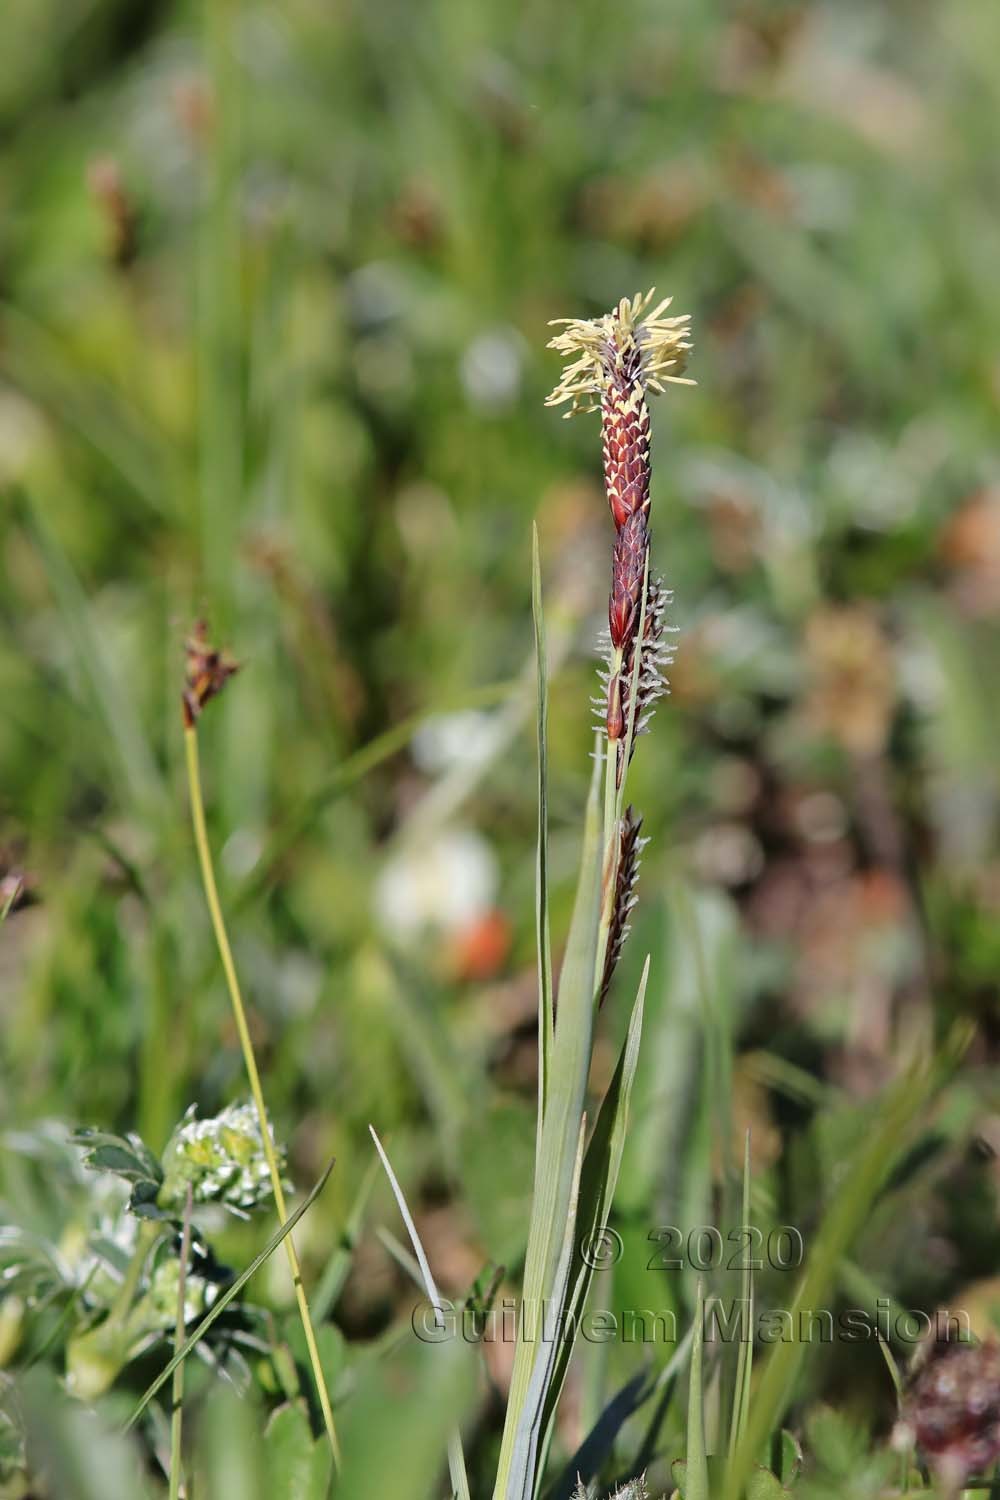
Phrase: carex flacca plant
{"type": "Point", "coordinates": [614, 363]}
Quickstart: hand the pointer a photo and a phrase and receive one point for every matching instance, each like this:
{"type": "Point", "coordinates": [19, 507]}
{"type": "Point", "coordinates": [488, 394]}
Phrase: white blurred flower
{"type": "Point", "coordinates": [449, 740]}
{"type": "Point", "coordinates": [491, 369]}
{"type": "Point", "coordinates": [441, 885]}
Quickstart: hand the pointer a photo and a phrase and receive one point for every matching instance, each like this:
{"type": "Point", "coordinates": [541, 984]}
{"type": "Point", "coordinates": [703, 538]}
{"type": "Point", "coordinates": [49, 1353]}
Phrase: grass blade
{"type": "Point", "coordinates": [227, 1296]}
{"type": "Point", "coordinates": [744, 1359]}
{"type": "Point", "coordinates": [696, 1487]}
{"type": "Point", "coordinates": [111, 700]}
{"type": "Point", "coordinates": [905, 1102]}
{"type": "Point", "coordinates": [598, 1181]}
{"type": "Point", "coordinates": [543, 937]}
{"type": "Point", "coordinates": [529, 1437]}
{"type": "Point", "coordinates": [553, 1203]}
{"type": "Point", "coordinates": [456, 1456]}
{"type": "Point", "coordinates": [405, 1460]}
{"type": "Point", "coordinates": [332, 1280]}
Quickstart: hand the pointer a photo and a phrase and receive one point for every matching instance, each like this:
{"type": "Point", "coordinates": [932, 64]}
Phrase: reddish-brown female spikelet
{"type": "Point", "coordinates": [630, 846]}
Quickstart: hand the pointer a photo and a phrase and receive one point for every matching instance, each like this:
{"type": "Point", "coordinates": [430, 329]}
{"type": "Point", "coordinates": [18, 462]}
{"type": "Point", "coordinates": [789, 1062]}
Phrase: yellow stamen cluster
{"type": "Point", "coordinates": [607, 347]}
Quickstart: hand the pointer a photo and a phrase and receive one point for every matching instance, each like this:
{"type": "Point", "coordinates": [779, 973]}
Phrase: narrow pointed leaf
{"type": "Point", "coordinates": [456, 1456]}
{"type": "Point", "coordinates": [227, 1296]}
{"type": "Point", "coordinates": [529, 1434]}
{"type": "Point", "coordinates": [599, 1180]}
{"type": "Point", "coordinates": [696, 1487]}
{"type": "Point", "coordinates": [744, 1358]}
{"type": "Point", "coordinates": [552, 1201]}
{"type": "Point", "coordinates": [543, 936]}
{"type": "Point", "coordinates": [894, 1116]}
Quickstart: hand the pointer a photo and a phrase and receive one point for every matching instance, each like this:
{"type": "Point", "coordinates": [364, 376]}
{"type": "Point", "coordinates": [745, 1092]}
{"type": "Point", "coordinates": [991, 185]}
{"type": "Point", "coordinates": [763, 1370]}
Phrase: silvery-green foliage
{"type": "Point", "coordinates": [164, 1283]}
{"type": "Point", "coordinates": [222, 1158]}
{"type": "Point", "coordinates": [635, 1490]}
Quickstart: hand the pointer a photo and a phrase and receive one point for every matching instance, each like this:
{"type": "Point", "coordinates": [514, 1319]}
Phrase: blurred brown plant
{"type": "Point", "coordinates": [952, 1411]}
{"type": "Point", "coordinates": [851, 691]}
{"type": "Point", "coordinates": [206, 672]}
{"type": "Point", "coordinates": [970, 547]}
{"type": "Point", "coordinates": [104, 179]}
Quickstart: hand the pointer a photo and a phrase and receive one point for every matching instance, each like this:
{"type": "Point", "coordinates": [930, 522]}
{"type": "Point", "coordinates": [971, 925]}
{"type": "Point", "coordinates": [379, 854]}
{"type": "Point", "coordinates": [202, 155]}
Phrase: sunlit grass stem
{"type": "Point", "coordinates": [250, 1061]}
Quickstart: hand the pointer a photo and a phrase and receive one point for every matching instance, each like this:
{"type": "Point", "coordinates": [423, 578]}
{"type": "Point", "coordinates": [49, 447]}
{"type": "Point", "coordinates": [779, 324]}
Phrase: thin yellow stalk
{"type": "Point", "coordinates": [250, 1061]}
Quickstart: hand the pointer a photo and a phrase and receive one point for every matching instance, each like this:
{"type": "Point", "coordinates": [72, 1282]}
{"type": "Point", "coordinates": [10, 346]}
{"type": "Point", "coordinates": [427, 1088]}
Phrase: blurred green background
{"type": "Point", "coordinates": [274, 287]}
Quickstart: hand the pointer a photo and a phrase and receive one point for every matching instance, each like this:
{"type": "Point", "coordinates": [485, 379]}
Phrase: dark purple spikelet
{"type": "Point", "coordinates": [630, 846]}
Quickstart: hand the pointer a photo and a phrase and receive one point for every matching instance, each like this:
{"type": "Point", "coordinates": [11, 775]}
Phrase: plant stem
{"type": "Point", "coordinates": [12, 895]}
{"type": "Point", "coordinates": [610, 837]}
{"type": "Point", "coordinates": [250, 1061]}
{"type": "Point", "coordinates": [148, 1232]}
{"type": "Point", "coordinates": [177, 1390]}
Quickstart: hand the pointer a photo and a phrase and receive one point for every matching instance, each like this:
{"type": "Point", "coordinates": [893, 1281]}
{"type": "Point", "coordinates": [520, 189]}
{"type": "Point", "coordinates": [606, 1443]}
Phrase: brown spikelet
{"type": "Point", "coordinates": [115, 205]}
{"type": "Point", "coordinates": [206, 672]}
{"type": "Point", "coordinates": [630, 846]}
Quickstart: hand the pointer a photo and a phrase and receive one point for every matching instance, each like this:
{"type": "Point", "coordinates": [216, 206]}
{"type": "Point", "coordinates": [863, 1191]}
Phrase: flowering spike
{"type": "Point", "coordinates": [206, 672]}
{"type": "Point", "coordinates": [612, 363]}
{"type": "Point", "coordinates": [628, 343]}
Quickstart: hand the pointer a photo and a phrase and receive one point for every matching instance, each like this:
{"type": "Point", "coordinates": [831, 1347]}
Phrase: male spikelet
{"type": "Point", "coordinates": [619, 357]}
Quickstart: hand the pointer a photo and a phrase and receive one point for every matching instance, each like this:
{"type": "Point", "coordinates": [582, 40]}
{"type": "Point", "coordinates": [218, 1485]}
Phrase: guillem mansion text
{"type": "Point", "coordinates": [726, 1321]}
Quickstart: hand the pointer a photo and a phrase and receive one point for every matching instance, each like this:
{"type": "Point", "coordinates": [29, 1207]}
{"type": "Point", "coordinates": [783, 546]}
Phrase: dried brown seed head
{"type": "Point", "coordinates": [206, 672]}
